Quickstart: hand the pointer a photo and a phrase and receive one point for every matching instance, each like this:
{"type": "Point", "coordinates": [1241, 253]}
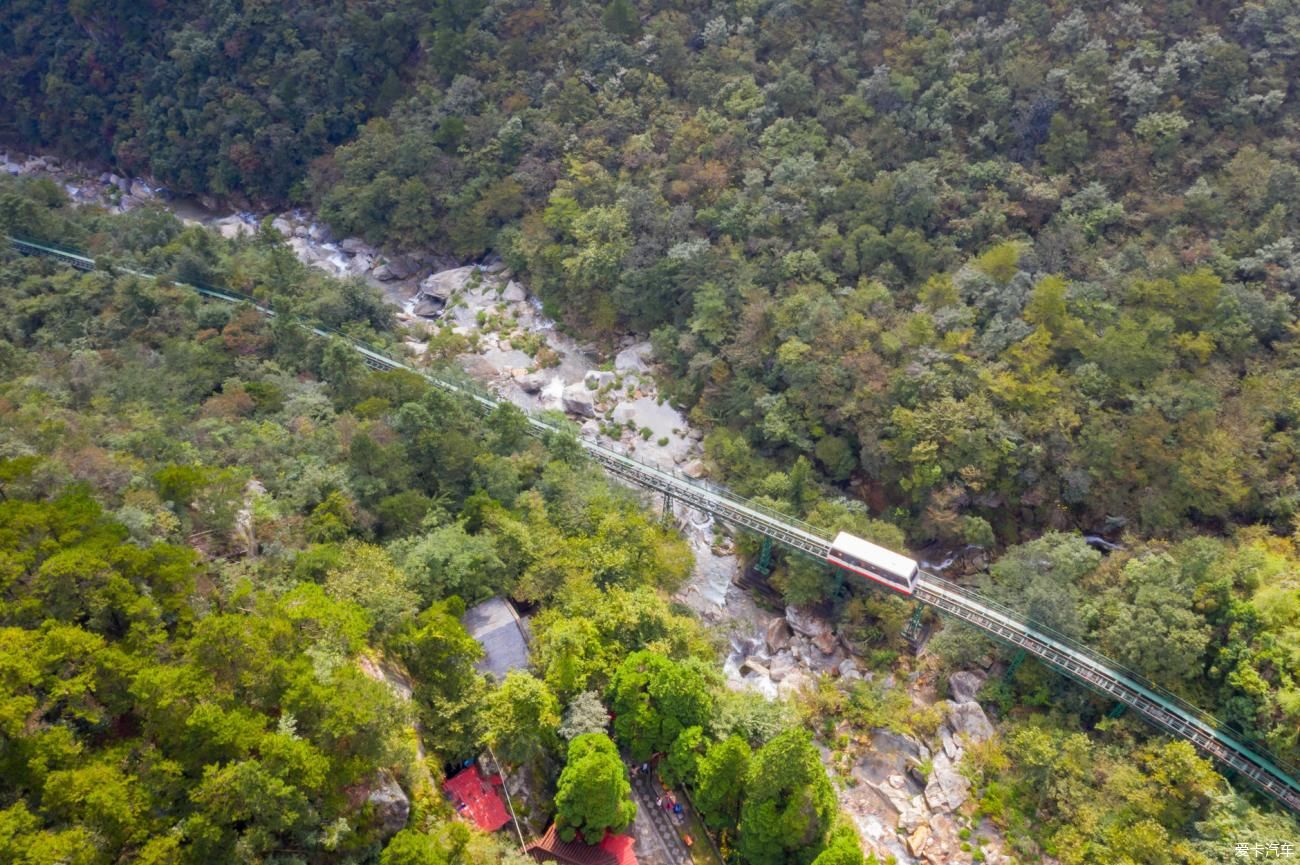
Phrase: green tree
{"type": "Point", "coordinates": [1152, 625]}
{"type": "Point", "coordinates": [621, 19]}
{"type": "Point", "coordinates": [441, 655]}
{"type": "Point", "coordinates": [843, 847]}
{"type": "Point", "coordinates": [654, 699]}
{"type": "Point", "coordinates": [789, 803]}
{"type": "Point", "coordinates": [593, 795]}
{"type": "Point", "coordinates": [682, 765]}
{"type": "Point", "coordinates": [365, 575]}
{"type": "Point", "coordinates": [584, 714]}
{"type": "Point", "coordinates": [1043, 579]}
{"type": "Point", "coordinates": [720, 788]}
{"type": "Point", "coordinates": [521, 717]}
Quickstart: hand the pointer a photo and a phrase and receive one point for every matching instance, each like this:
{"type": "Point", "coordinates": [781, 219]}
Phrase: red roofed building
{"type": "Point", "coordinates": [476, 799]}
{"type": "Point", "coordinates": [612, 850]}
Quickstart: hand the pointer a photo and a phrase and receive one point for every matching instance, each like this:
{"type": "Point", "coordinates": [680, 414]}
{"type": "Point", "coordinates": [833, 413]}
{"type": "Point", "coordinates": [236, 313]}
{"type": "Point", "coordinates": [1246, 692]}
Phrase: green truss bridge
{"type": "Point", "coordinates": [1158, 706]}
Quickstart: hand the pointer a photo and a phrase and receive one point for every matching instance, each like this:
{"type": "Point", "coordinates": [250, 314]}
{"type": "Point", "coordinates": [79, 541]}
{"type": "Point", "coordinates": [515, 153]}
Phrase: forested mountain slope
{"type": "Point", "coordinates": [1002, 266]}
{"type": "Point", "coordinates": [215, 532]}
{"type": "Point", "coordinates": [226, 98]}
{"type": "Point", "coordinates": [988, 269]}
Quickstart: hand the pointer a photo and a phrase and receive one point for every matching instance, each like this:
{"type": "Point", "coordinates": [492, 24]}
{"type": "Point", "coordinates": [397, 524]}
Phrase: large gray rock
{"type": "Point", "coordinates": [632, 358]}
{"type": "Point", "coordinates": [950, 746]}
{"type": "Point", "coordinates": [782, 666]}
{"type": "Point", "coordinates": [141, 190]}
{"type": "Point", "coordinates": [353, 245]}
{"type": "Point", "coordinates": [946, 789]}
{"type": "Point", "coordinates": [391, 805]}
{"type": "Point", "coordinates": [778, 631]}
{"type": "Point", "coordinates": [533, 382]}
{"type": "Point", "coordinates": [514, 293]}
{"type": "Point", "coordinates": [403, 266]}
{"type": "Point", "coordinates": [283, 226]}
{"type": "Point", "coordinates": [232, 227]}
{"type": "Point", "coordinates": [599, 376]}
{"type": "Point", "coordinates": [803, 622]}
{"type": "Point", "coordinates": [579, 400]}
{"type": "Point", "coordinates": [444, 284]}
{"type": "Point", "coordinates": [359, 264]}
{"type": "Point", "coordinates": [624, 412]}
{"type": "Point", "coordinates": [695, 469]}
{"type": "Point", "coordinates": [964, 686]}
{"type": "Point", "coordinates": [968, 720]}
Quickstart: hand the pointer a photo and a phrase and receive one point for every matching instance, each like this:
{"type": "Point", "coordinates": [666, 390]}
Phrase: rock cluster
{"type": "Point", "coordinates": [910, 799]}
{"type": "Point", "coordinates": [794, 649]}
{"type": "Point", "coordinates": [927, 808]}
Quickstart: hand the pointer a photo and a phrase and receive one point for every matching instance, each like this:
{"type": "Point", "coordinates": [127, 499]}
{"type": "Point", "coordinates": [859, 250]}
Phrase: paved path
{"type": "Point", "coordinates": [656, 831]}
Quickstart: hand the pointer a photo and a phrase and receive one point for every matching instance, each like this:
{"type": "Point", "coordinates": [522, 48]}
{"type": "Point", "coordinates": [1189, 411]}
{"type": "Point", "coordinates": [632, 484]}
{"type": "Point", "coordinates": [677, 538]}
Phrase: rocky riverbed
{"type": "Point", "coordinates": [907, 797]}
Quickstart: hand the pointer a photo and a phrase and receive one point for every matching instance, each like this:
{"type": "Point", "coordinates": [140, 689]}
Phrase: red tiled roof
{"type": "Point", "coordinates": [476, 799]}
{"type": "Point", "coordinates": [612, 850]}
{"type": "Point", "coordinates": [620, 847]}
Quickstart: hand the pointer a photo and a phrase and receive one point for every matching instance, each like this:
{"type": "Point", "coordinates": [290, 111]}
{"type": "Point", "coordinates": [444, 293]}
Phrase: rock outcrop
{"type": "Point", "coordinates": [963, 686]}
{"type": "Point", "coordinates": [632, 358]}
{"type": "Point", "coordinates": [968, 721]}
{"type": "Point", "coordinates": [778, 630]}
{"type": "Point", "coordinates": [391, 805]}
{"type": "Point", "coordinates": [945, 789]}
{"type": "Point", "coordinates": [579, 400]}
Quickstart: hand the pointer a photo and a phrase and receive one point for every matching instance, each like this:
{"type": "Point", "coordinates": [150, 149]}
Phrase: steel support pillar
{"type": "Point", "coordinates": [764, 563]}
{"type": "Point", "coordinates": [912, 632]}
{"type": "Point", "coordinates": [1014, 665]}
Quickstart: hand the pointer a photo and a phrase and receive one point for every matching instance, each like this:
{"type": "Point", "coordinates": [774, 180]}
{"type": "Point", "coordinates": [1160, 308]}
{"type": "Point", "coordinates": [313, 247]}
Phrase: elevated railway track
{"type": "Point", "coordinates": [1156, 705]}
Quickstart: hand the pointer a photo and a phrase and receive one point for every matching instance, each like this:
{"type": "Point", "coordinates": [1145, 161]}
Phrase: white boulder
{"type": "Point", "coordinates": [444, 284]}
{"type": "Point", "coordinates": [577, 399]}
{"type": "Point", "coordinates": [514, 293]}
{"type": "Point", "coordinates": [391, 805]}
{"type": "Point", "coordinates": [632, 358]}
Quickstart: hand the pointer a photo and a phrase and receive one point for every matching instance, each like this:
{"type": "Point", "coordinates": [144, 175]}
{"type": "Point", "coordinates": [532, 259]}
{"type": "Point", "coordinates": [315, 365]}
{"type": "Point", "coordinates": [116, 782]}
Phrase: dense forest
{"type": "Point", "coordinates": [219, 538]}
{"type": "Point", "coordinates": [949, 273]}
{"type": "Point", "coordinates": [223, 98]}
{"type": "Point", "coordinates": [998, 267]}
{"type": "Point", "coordinates": [216, 530]}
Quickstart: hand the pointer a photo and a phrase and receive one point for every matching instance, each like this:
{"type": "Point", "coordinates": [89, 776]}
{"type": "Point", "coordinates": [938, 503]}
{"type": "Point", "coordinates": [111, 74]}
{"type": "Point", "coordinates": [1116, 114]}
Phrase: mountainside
{"type": "Point", "coordinates": [999, 267]}
{"type": "Point", "coordinates": [1011, 284]}
{"type": "Point", "coordinates": [221, 98]}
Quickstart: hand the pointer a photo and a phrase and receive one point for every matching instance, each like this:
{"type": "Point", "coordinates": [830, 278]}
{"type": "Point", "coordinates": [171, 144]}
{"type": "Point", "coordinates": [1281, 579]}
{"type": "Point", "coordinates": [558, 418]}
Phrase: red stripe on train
{"type": "Point", "coordinates": [846, 566]}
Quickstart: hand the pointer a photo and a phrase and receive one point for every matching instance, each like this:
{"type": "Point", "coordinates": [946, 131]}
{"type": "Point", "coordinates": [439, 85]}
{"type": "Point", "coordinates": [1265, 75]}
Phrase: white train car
{"type": "Point", "coordinates": [874, 562]}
